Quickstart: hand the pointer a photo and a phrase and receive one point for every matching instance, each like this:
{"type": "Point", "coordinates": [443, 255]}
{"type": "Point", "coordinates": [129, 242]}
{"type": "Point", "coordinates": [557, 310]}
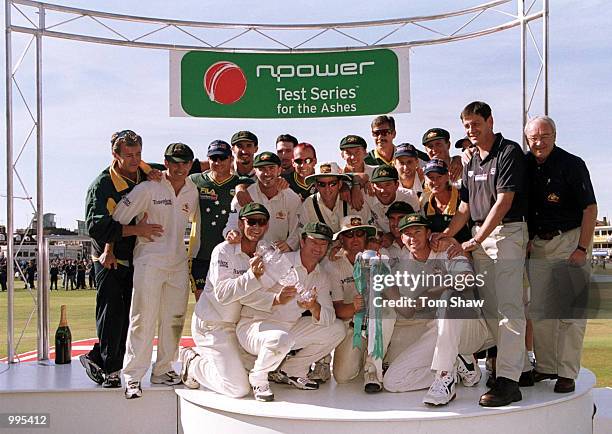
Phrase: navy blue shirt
{"type": "Point", "coordinates": [559, 190]}
{"type": "Point", "coordinates": [503, 170]}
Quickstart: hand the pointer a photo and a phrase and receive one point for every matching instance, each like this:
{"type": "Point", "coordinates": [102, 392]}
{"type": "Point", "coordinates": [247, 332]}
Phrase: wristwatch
{"type": "Point", "coordinates": [582, 249]}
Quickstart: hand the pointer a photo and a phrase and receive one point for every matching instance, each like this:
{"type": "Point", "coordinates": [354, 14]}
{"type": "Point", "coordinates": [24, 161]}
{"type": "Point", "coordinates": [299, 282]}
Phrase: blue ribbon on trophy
{"type": "Point", "coordinates": [367, 265]}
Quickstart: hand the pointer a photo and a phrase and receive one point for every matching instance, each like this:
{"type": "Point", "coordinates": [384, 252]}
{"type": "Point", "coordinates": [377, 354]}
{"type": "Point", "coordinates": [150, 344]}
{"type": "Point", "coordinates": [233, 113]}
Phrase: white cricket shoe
{"type": "Point", "coordinates": [442, 390]}
{"type": "Point", "coordinates": [186, 356]}
{"type": "Point", "coordinates": [468, 370]}
{"type": "Point", "coordinates": [263, 393]}
{"type": "Point", "coordinates": [133, 390]}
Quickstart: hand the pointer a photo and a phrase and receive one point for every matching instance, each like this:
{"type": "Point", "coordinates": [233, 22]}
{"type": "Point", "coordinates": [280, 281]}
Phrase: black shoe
{"type": "Point", "coordinates": [526, 379]}
{"type": "Point", "coordinates": [94, 372]}
{"type": "Point", "coordinates": [491, 381]}
{"type": "Point", "coordinates": [540, 376]}
{"type": "Point", "coordinates": [504, 392]}
{"type": "Point", "coordinates": [112, 381]}
{"type": "Point", "coordinates": [565, 385]}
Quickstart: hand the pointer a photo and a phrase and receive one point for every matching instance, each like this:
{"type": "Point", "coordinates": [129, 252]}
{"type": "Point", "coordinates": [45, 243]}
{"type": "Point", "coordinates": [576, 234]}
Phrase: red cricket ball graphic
{"type": "Point", "coordinates": [225, 82]}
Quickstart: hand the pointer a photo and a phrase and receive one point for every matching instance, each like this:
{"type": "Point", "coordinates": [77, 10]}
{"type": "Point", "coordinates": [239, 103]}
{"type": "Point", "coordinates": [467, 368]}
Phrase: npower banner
{"type": "Point", "coordinates": [304, 85]}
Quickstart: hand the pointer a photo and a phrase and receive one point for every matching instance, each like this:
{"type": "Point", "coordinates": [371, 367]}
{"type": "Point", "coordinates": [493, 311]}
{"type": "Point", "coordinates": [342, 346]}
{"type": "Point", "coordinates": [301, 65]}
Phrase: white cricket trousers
{"type": "Point", "coordinates": [219, 367]}
{"type": "Point", "coordinates": [159, 295]}
{"type": "Point", "coordinates": [349, 360]}
{"type": "Point", "coordinates": [271, 341]}
{"type": "Point", "coordinates": [410, 353]}
{"type": "Point", "coordinates": [459, 336]}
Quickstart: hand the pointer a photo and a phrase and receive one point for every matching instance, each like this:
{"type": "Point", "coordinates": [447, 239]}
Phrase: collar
{"type": "Point", "coordinates": [209, 175]}
{"type": "Point", "coordinates": [494, 149]}
{"type": "Point", "coordinates": [322, 204]}
{"type": "Point", "coordinates": [552, 157]}
{"type": "Point", "coordinates": [120, 182]}
{"type": "Point", "coordinates": [380, 157]}
{"type": "Point", "coordinates": [300, 183]}
{"type": "Point", "coordinates": [235, 169]}
{"type": "Point", "coordinates": [262, 195]}
{"type": "Point", "coordinates": [296, 260]}
{"type": "Point", "coordinates": [451, 206]}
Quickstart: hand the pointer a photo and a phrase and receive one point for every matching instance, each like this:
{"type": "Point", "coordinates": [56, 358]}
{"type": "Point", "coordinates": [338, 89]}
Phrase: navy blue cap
{"type": "Point", "coordinates": [437, 166]}
{"type": "Point", "coordinates": [406, 150]}
{"type": "Point", "coordinates": [219, 147]}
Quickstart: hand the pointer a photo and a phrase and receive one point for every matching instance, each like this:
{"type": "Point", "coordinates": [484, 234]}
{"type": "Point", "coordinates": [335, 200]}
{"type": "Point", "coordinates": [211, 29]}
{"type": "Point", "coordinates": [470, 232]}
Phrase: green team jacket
{"type": "Point", "coordinates": [102, 197]}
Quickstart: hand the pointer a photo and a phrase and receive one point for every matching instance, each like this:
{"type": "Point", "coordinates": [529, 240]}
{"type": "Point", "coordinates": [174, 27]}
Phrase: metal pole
{"type": "Point", "coordinates": [521, 16]}
{"type": "Point", "coordinates": [10, 229]}
{"type": "Point", "coordinates": [43, 291]}
{"type": "Point", "coordinates": [545, 52]}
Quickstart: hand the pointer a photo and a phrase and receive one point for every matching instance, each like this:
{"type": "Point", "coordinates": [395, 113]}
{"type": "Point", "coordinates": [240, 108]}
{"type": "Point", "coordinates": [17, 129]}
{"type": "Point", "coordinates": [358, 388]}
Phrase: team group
{"type": "Point", "coordinates": [497, 212]}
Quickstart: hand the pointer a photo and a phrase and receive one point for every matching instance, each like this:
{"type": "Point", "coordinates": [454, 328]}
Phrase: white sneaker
{"type": "Point", "coordinates": [442, 390]}
{"type": "Point", "coordinates": [371, 384]}
{"type": "Point", "coordinates": [468, 370]}
{"type": "Point", "coordinates": [321, 371]}
{"type": "Point", "coordinates": [169, 378]}
{"type": "Point", "coordinates": [186, 356]}
{"type": "Point", "coordinates": [263, 393]}
{"type": "Point", "coordinates": [303, 383]}
{"type": "Point", "coordinates": [133, 390]}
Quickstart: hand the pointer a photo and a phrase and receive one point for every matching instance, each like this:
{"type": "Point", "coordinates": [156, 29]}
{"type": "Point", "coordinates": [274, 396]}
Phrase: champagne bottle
{"type": "Point", "coordinates": [63, 340]}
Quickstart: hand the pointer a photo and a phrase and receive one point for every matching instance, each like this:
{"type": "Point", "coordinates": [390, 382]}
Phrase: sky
{"type": "Point", "coordinates": [92, 90]}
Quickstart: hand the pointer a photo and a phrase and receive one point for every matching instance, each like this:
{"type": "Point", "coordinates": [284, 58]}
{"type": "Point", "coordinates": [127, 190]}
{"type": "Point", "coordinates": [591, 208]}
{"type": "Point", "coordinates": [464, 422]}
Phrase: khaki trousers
{"type": "Point", "coordinates": [557, 341]}
{"type": "Point", "coordinates": [159, 303]}
{"type": "Point", "coordinates": [501, 262]}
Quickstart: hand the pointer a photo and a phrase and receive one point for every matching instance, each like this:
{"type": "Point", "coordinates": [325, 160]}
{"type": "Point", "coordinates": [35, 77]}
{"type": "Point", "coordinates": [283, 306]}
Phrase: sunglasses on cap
{"type": "Point", "coordinates": [359, 233]}
{"type": "Point", "coordinates": [300, 161]}
{"type": "Point", "coordinates": [216, 158]}
{"type": "Point", "coordinates": [382, 132]}
{"type": "Point", "coordinates": [322, 184]}
{"type": "Point", "coordinates": [127, 135]}
{"type": "Point", "coordinates": [255, 222]}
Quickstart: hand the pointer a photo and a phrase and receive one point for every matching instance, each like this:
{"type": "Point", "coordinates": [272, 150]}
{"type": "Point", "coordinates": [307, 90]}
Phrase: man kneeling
{"type": "Point", "coordinates": [272, 335]}
{"type": "Point", "coordinates": [236, 277]}
{"type": "Point", "coordinates": [459, 329]}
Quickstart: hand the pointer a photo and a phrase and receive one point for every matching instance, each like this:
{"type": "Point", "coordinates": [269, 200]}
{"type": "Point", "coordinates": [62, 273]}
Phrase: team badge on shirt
{"type": "Point", "coordinates": [281, 215]}
{"type": "Point", "coordinates": [553, 198]}
{"type": "Point", "coordinates": [185, 208]}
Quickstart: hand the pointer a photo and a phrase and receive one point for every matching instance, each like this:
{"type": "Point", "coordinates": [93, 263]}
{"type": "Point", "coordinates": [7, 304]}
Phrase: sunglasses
{"type": "Point", "coordinates": [322, 184]}
{"type": "Point", "coordinates": [126, 135]}
{"type": "Point", "coordinates": [300, 161]}
{"type": "Point", "coordinates": [382, 132]}
{"type": "Point", "coordinates": [216, 158]}
{"type": "Point", "coordinates": [359, 233]}
{"type": "Point", "coordinates": [255, 222]}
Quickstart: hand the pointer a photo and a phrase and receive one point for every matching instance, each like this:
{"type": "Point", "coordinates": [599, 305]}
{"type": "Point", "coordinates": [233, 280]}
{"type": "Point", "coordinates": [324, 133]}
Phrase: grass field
{"type": "Point", "coordinates": [81, 317]}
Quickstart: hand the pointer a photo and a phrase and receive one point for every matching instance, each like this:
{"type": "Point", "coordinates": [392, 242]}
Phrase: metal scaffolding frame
{"type": "Point", "coordinates": [33, 18]}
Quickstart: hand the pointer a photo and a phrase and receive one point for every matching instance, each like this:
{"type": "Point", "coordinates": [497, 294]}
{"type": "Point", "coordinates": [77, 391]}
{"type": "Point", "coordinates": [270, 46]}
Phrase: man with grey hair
{"type": "Point", "coordinates": [562, 213]}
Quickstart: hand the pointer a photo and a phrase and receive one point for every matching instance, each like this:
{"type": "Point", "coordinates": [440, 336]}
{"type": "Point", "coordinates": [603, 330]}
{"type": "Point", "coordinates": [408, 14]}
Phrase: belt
{"type": "Point", "coordinates": [123, 262]}
{"type": "Point", "coordinates": [504, 220]}
{"type": "Point", "coordinates": [547, 236]}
